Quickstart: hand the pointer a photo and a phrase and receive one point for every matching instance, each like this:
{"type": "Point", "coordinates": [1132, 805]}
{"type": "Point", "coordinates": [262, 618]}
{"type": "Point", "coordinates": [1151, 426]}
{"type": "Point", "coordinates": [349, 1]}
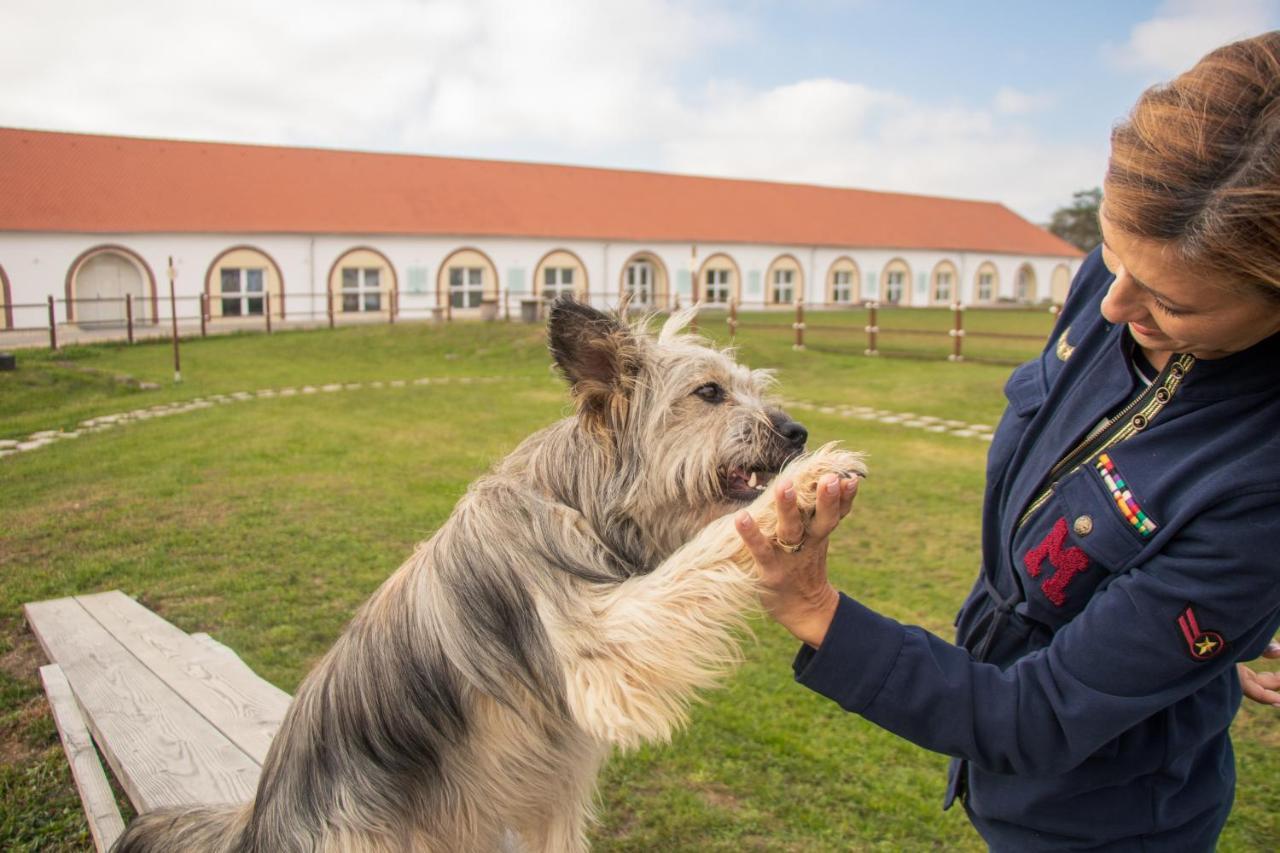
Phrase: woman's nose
{"type": "Point", "coordinates": [1123, 304]}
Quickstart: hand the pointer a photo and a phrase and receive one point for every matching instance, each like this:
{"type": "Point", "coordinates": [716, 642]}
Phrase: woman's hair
{"type": "Point", "coordinates": [1197, 165]}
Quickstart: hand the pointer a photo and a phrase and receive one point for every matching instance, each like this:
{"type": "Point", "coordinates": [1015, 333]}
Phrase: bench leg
{"type": "Point", "coordinates": [105, 822]}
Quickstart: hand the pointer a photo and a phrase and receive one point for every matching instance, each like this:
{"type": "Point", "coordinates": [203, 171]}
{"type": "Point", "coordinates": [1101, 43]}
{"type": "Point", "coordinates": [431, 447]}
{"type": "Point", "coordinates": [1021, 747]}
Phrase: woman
{"type": "Point", "coordinates": [1132, 511]}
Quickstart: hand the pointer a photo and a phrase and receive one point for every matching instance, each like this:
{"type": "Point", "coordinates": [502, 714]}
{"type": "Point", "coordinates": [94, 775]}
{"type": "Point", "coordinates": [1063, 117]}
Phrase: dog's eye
{"type": "Point", "coordinates": [711, 392]}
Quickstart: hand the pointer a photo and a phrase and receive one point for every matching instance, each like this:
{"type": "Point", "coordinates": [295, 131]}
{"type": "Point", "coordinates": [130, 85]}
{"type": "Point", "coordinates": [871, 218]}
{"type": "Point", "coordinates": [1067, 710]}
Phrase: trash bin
{"type": "Point", "coordinates": [488, 309]}
{"type": "Point", "coordinates": [529, 310]}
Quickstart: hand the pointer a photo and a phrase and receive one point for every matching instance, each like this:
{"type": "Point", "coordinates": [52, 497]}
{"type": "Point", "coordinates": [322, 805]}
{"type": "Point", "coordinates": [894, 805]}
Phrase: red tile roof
{"type": "Point", "coordinates": [67, 182]}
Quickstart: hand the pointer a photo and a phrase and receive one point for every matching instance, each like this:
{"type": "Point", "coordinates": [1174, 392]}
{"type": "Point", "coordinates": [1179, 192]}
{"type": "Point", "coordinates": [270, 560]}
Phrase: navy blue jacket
{"type": "Point", "coordinates": [1088, 699]}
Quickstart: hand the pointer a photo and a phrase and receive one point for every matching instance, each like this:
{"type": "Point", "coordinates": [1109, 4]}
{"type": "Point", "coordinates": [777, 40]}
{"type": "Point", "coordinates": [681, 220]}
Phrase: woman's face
{"type": "Point", "coordinates": [1168, 308]}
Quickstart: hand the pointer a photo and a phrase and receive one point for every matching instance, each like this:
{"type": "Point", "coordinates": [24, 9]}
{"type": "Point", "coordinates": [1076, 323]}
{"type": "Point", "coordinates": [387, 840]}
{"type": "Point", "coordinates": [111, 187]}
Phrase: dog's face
{"type": "Point", "coordinates": [690, 432]}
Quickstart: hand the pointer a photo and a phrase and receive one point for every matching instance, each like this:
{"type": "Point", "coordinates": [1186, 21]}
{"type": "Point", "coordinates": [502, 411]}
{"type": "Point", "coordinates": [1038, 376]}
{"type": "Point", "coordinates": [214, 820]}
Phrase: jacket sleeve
{"type": "Point", "coordinates": [1120, 660]}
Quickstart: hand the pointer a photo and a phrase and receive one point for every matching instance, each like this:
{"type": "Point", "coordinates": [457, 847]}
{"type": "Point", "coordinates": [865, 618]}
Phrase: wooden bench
{"type": "Point", "coordinates": [180, 719]}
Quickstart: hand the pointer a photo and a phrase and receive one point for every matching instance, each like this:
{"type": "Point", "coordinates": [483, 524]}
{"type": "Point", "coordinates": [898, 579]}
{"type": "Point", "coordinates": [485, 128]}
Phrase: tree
{"type": "Point", "coordinates": [1078, 222]}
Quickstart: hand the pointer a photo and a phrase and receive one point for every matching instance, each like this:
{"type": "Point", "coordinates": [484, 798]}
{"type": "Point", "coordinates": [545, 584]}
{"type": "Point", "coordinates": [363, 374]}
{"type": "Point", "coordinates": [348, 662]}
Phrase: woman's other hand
{"type": "Point", "coordinates": [1261, 687]}
{"type": "Point", "coordinates": [797, 592]}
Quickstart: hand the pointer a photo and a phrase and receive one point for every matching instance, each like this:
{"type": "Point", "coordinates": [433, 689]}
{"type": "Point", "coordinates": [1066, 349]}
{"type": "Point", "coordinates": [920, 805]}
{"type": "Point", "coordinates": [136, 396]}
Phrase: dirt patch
{"type": "Point", "coordinates": [118, 378]}
{"type": "Point", "coordinates": [24, 656]}
{"type": "Point", "coordinates": [19, 742]}
{"type": "Point", "coordinates": [720, 797]}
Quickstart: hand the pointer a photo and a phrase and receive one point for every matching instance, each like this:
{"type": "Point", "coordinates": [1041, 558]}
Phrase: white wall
{"type": "Point", "coordinates": [37, 265]}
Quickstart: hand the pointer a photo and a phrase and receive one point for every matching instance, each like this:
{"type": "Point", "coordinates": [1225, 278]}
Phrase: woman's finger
{"type": "Point", "coordinates": [790, 524]}
{"type": "Point", "coordinates": [1272, 650]}
{"type": "Point", "coordinates": [826, 514]}
{"type": "Point", "coordinates": [757, 543]}
{"type": "Point", "coordinates": [848, 491]}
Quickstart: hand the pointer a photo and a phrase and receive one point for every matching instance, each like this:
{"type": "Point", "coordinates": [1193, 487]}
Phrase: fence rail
{"type": "Point", "coordinates": [869, 327]}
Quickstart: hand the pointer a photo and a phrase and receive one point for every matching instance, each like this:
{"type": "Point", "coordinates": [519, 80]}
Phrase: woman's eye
{"type": "Point", "coordinates": [711, 392]}
{"type": "Point", "coordinates": [1167, 310]}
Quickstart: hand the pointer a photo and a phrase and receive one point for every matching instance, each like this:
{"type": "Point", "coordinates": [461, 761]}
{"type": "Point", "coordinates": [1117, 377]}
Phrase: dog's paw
{"type": "Point", "coordinates": [805, 471]}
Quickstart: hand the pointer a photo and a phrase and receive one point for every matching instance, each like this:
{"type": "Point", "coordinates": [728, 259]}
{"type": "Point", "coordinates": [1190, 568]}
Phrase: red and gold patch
{"type": "Point", "coordinates": [1201, 644]}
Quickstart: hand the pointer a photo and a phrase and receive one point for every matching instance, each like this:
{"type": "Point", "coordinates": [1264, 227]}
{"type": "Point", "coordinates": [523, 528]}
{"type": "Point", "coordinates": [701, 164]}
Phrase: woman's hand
{"type": "Point", "coordinates": [1261, 687]}
{"type": "Point", "coordinates": [797, 592]}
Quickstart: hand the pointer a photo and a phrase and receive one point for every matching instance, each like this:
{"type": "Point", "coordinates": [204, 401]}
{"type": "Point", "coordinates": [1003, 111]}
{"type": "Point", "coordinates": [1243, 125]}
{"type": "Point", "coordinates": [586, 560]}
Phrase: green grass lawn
{"type": "Point", "coordinates": [267, 522]}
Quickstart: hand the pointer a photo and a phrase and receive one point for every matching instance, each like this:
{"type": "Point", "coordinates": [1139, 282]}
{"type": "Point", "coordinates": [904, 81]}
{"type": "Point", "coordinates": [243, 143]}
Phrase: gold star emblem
{"type": "Point", "coordinates": [1205, 645]}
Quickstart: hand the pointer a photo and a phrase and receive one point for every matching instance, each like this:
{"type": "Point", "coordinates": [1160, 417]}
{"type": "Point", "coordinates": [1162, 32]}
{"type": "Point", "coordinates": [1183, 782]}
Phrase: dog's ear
{"type": "Point", "coordinates": [599, 356]}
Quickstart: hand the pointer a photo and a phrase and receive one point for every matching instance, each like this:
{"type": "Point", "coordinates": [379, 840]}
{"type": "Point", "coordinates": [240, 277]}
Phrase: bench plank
{"type": "Point", "coordinates": [222, 689]}
{"type": "Point", "coordinates": [161, 750]}
{"type": "Point", "coordinates": [105, 822]}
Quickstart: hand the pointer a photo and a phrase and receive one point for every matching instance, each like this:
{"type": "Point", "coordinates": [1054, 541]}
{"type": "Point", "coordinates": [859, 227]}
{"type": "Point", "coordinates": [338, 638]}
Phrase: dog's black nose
{"type": "Point", "coordinates": [793, 431]}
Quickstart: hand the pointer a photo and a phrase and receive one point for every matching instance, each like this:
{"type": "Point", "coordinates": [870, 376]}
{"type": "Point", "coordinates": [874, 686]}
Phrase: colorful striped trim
{"type": "Point", "coordinates": [1123, 497]}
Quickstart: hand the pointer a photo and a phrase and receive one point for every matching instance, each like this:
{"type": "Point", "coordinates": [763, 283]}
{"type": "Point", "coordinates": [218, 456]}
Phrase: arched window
{"type": "Point", "coordinates": [1060, 283]}
{"type": "Point", "coordinates": [843, 282]}
{"type": "Point", "coordinates": [895, 283]}
{"type": "Point", "coordinates": [942, 287]}
{"type": "Point", "coordinates": [719, 280]}
{"type": "Point", "coordinates": [561, 273]}
{"type": "Point", "coordinates": [239, 280]}
{"type": "Point", "coordinates": [986, 283]}
{"type": "Point", "coordinates": [362, 279]}
{"type": "Point", "coordinates": [1025, 284]}
{"type": "Point", "coordinates": [644, 277]}
{"type": "Point", "coordinates": [6, 302]}
{"type": "Point", "coordinates": [784, 281]}
{"type": "Point", "coordinates": [467, 277]}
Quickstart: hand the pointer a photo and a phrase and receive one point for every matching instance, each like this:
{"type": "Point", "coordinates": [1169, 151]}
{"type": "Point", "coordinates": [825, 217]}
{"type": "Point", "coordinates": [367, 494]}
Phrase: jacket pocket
{"type": "Point", "coordinates": [1072, 548]}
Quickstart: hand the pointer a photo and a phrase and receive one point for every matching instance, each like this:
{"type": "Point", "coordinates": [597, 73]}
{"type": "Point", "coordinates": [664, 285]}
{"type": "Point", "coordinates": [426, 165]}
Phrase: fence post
{"type": "Point", "coordinates": [128, 314]}
{"type": "Point", "coordinates": [395, 304]}
{"type": "Point", "coordinates": [330, 309]}
{"type": "Point", "coordinates": [266, 304]}
{"type": "Point", "coordinates": [957, 333]}
{"type": "Point", "coordinates": [733, 320]}
{"type": "Point", "coordinates": [204, 315]}
{"type": "Point", "coordinates": [872, 328]}
{"type": "Point", "coordinates": [506, 304]}
{"type": "Point", "coordinates": [798, 325]}
{"type": "Point", "coordinates": [53, 326]}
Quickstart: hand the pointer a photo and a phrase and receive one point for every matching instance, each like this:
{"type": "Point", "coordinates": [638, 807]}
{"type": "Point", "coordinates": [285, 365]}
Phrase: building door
{"type": "Point", "coordinates": [640, 285]}
{"type": "Point", "coordinates": [102, 282]}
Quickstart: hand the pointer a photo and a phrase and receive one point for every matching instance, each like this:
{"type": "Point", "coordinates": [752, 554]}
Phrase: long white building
{"type": "Point", "coordinates": [88, 220]}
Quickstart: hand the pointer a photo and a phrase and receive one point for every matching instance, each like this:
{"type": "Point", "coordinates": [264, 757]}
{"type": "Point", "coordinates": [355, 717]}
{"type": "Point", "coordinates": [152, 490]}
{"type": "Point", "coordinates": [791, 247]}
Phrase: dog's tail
{"type": "Point", "coordinates": [206, 829]}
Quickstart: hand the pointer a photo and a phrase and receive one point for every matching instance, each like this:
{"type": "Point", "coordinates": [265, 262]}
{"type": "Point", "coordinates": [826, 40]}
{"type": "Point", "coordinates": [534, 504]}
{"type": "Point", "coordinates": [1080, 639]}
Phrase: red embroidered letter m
{"type": "Point", "coordinates": [1068, 563]}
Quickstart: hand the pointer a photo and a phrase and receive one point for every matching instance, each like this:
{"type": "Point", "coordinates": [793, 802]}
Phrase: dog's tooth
{"type": "Point", "coordinates": [752, 482]}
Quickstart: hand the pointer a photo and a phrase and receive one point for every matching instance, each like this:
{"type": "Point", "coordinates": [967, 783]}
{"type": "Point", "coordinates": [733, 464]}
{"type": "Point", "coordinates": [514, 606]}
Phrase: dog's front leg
{"type": "Point", "coordinates": [652, 641]}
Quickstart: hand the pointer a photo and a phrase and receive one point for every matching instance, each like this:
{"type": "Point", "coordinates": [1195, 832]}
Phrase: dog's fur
{"type": "Point", "coordinates": [575, 600]}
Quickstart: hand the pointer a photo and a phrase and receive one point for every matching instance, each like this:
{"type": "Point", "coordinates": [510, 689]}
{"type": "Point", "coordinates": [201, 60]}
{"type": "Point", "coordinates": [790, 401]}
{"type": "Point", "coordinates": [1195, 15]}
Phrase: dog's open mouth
{"type": "Point", "coordinates": [742, 484]}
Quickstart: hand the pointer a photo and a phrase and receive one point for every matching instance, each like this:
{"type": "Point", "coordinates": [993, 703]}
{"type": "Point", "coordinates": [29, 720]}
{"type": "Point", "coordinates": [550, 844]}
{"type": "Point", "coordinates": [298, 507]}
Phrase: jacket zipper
{"type": "Point", "coordinates": [1122, 427]}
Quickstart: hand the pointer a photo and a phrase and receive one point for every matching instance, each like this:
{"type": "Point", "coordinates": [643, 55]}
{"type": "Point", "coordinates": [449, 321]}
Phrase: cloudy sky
{"type": "Point", "coordinates": [992, 99]}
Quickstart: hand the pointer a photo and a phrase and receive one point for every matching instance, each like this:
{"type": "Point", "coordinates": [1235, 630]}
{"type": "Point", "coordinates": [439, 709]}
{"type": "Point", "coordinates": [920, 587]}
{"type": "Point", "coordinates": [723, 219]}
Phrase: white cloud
{"type": "Point", "coordinates": [844, 134]}
{"type": "Point", "coordinates": [1011, 101]}
{"type": "Point", "coordinates": [596, 82]}
{"type": "Point", "coordinates": [1185, 30]}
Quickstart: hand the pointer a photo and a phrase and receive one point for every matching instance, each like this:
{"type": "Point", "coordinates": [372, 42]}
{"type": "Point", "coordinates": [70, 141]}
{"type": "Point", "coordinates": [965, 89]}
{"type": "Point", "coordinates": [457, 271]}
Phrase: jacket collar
{"type": "Point", "coordinates": [1251, 371]}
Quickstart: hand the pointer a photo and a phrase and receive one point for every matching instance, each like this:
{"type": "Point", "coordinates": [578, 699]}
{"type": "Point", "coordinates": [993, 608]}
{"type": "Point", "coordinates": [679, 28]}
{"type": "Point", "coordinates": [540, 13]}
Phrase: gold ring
{"type": "Point", "coordinates": [787, 546]}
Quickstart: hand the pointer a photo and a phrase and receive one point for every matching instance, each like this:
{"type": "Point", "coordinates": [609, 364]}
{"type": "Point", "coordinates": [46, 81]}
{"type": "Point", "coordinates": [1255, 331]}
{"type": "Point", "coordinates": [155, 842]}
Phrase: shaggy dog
{"type": "Point", "coordinates": [574, 601]}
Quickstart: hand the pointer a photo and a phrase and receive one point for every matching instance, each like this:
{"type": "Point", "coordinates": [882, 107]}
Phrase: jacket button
{"type": "Point", "coordinates": [1139, 422]}
{"type": "Point", "coordinates": [1083, 525]}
